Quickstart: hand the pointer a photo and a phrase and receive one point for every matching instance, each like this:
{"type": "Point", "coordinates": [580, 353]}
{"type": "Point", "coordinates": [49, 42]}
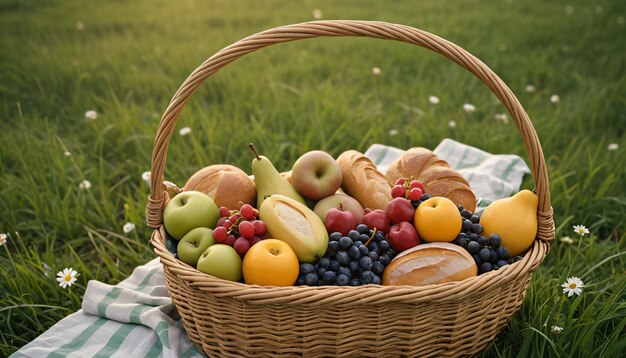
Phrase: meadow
{"type": "Point", "coordinates": [72, 178]}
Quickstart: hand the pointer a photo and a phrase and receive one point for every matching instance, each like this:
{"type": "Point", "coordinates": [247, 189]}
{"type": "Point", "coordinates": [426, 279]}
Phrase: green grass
{"type": "Point", "coordinates": [130, 57]}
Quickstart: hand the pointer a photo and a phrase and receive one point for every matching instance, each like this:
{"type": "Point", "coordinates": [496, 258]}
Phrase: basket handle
{"type": "Point", "coordinates": [374, 29]}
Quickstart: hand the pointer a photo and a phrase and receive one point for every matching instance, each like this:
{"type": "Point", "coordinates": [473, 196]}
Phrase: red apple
{"type": "Point", "coordinates": [377, 219]}
{"type": "Point", "coordinates": [316, 175]}
{"type": "Point", "coordinates": [339, 221]}
{"type": "Point", "coordinates": [400, 210]}
{"type": "Point", "coordinates": [403, 236]}
{"type": "Point", "coordinates": [343, 201]}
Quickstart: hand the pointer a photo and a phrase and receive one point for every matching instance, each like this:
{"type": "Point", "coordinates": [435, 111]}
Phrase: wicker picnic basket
{"type": "Point", "coordinates": [225, 318]}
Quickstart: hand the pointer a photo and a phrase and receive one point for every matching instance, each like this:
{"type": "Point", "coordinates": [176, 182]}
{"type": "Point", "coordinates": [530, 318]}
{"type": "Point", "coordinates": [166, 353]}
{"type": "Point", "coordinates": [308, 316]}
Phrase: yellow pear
{"type": "Point", "coordinates": [514, 219]}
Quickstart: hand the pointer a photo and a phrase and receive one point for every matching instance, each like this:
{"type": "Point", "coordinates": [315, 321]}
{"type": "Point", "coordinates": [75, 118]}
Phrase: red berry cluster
{"type": "Point", "coordinates": [412, 190]}
{"type": "Point", "coordinates": [240, 228]}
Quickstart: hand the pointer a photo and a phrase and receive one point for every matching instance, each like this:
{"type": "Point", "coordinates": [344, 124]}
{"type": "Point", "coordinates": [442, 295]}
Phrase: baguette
{"type": "Point", "coordinates": [362, 181]}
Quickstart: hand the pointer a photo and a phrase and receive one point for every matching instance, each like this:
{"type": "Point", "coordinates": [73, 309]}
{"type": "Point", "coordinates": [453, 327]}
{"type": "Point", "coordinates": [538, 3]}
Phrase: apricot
{"type": "Point", "coordinates": [438, 220]}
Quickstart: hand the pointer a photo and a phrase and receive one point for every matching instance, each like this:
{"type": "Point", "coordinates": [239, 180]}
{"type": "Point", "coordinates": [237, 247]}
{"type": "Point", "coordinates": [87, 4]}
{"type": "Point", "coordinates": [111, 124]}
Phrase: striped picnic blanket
{"type": "Point", "coordinates": [136, 318]}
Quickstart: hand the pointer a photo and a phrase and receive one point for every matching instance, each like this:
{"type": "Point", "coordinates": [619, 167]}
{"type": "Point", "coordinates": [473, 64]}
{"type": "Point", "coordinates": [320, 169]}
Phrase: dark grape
{"type": "Point", "coordinates": [466, 226]}
{"type": "Point", "coordinates": [484, 254]}
{"type": "Point", "coordinates": [334, 266]}
{"type": "Point", "coordinates": [466, 214]}
{"type": "Point", "coordinates": [363, 250]}
{"type": "Point", "coordinates": [311, 279]}
{"type": "Point", "coordinates": [335, 236]}
{"type": "Point", "coordinates": [300, 281]}
{"type": "Point", "coordinates": [378, 268]}
{"type": "Point", "coordinates": [494, 256]}
{"type": "Point", "coordinates": [329, 277]}
{"type": "Point", "coordinates": [425, 197]}
{"type": "Point", "coordinates": [373, 246]}
{"type": "Point", "coordinates": [485, 267]}
{"type": "Point", "coordinates": [367, 277]}
{"type": "Point", "coordinates": [342, 280]}
{"type": "Point", "coordinates": [366, 263]}
{"type": "Point", "coordinates": [392, 253]}
{"type": "Point", "coordinates": [473, 247]}
{"type": "Point", "coordinates": [482, 241]}
{"type": "Point", "coordinates": [353, 266]}
{"type": "Point", "coordinates": [494, 240]}
{"type": "Point", "coordinates": [475, 219]}
{"type": "Point", "coordinates": [306, 268]}
{"type": "Point", "coordinates": [354, 252]}
{"type": "Point", "coordinates": [358, 243]}
{"type": "Point", "coordinates": [472, 236]}
{"type": "Point", "coordinates": [355, 282]}
{"type": "Point", "coordinates": [362, 229]}
{"type": "Point", "coordinates": [320, 271]}
{"type": "Point", "coordinates": [379, 237]}
{"type": "Point", "coordinates": [333, 246]}
{"type": "Point", "coordinates": [464, 242]}
{"type": "Point", "coordinates": [376, 280]}
{"type": "Point", "coordinates": [385, 259]}
{"type": "Point", "coordinates": [364, 238]}
{"type": "Point", "coordinates": [463, 235]}
{"type": "Point", "coordinates": [345, 243]}
{"type": "Point", "coordinates": [373, 255]}
{"type": "Point", "coordinates": [343, 258]}
{"type": "Point", "coordinates": [477, 228]}
{"type": "Point", "coordinates": [323, 262]}
{"type": "Point", "coordinates": [383, 245]}
{"type": "Point", "coordinates": [503, 253]}
{"type": "Point", "coordinates": [344, 271]}
{"type": "Point", "coordinates": [354, 235]}
{"type": "Point", "coordinates": [477, 259]}
{"type": "Point", "coordinates": [502, 263]}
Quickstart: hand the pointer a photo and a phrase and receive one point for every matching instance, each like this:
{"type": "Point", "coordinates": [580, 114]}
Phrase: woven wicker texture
{"type": "Point", "coordinates": [232, 319]}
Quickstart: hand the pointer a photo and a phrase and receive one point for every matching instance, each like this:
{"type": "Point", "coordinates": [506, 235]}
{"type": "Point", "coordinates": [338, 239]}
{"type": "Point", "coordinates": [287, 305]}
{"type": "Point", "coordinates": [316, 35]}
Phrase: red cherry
{"type": "Point", "coordinates": [219, 234]}
{"type": "Point", "coordinates": [415, 194]}
{"type": "Point", "coordinates": [398, 191]}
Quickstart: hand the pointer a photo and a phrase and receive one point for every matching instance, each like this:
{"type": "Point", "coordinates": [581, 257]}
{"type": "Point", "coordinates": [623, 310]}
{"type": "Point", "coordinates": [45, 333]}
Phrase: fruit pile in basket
{"type": "Point", "coordinates": [342, 222]}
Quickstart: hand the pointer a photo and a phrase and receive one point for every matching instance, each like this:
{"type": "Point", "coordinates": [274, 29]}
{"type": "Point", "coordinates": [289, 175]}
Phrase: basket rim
{"type": "Point", "coordinates": [317, 295]}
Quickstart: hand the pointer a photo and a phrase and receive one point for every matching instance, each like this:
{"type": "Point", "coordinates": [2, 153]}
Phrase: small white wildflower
{"type": "Point", "coordinates": [393, 132]}
{"type": "Point", "coordinates": [146, 176]}
{"type": "Point", "coordinates": [67, 277]}
{"type": "Point", "coordinates": [317, 13]}
{"type": "Point", "coordinates": [452, 124]}
{"type": "Point", "coordinates": [46, 268]}
{"type": "Point", "coordinates": [67, 153]}
{"type": "Point", "coordinates": [3, 238]}
{"type": "Point", "coordinates": [599, 10]}
{"type": "Point", "coordinates": [530, 88]}
{"type": "Point", "coordinates": [376, 70]}
{"type": "Point", "coordinates": [501, 117]}
{"type": "Point", "coordinates": [84, 185]}
{"type": "Point", "coordinates": [572, 286]}
{"type": "Point", "coordinates": [555, 98]}
{"type": "Point", "coordinates": [91, 115]}
{"type": "Point", "coordinates": [581, 230]}
{"type": "Point", "coordinates": [613, 146]}
{"type": "Point", "coordinates": [469, 107]}
{"type": "Point", "coordinates": [433, 99]}
{"type": "Point", "coordinates": [184, 131]}
{"type": "Point", "coordinates": [128, 227]}
{"type": "Point", "coordinates": [567, 240]}
{"type": "Point", "coordinates": [80, 25]}
{"type": "Point", "coordinates": [569, 10]}
{"type": "Point", "coordinates": [556, 330]}
{"type": "Point", "coordinates": [620, 20]}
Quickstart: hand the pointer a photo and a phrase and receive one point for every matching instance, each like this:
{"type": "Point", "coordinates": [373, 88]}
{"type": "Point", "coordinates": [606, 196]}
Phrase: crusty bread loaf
{"type": "Point", "coordinates": [227, 185]}
{"type": "Point", "coordinates": [438, 178]}
{"type": "Point", "coordinates": [429, 264]}
{"type": "Point", "coordinates": [362, 181]}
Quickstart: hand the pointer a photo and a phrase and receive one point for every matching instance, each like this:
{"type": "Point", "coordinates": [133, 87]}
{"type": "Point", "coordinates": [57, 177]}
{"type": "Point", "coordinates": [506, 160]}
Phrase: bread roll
{"type": "Point", "coordinates": [438, 178]}
{"type": "Point", "coordinates": [227, 185]}
{"type": "Point", "coordinates": [430, 264]}
{"type": "Point", "coordinates": [362, 181]}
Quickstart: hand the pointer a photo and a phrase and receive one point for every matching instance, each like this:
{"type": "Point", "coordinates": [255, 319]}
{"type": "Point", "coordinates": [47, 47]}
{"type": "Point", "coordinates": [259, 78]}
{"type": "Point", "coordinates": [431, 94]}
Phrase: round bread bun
{"type": "Point", "coordinates": [227, 185]}
{"type": "Point", "coordinates": [429, 264]}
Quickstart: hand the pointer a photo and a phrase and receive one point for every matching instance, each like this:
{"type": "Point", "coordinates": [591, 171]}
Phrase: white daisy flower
{"type": "Point", "coordinates": [3, 238]}
{"type": "Point", "coordinates": [91, 115]}
{"type": "Point", "coordinates": [128, 227]}
{"type": "Point", "coordinates": [613, 146]}
{"type": "Point", "coordinates": [555, 98]}
{"type": "Point", "coordinates": [566, 240]}
{"type": "Point", "coordinates": [67, 153]}
{"type": "Point", "coordinates": [530, 88]}
{"type": "Point", "coordinates": [572, 286]}
{"type": "Point", "coordinates": [556, 330]}
{"type": "Point", "coordinates": [501, 117]}
{"type": "Point", "coordinates": [317, 13]}
{"type": "Point", "coordinates": [376, 71]}
{"type": "Point", "coordinates": [67, 277]}
{"type": "Point", "coordinates": [581, 230]}
{"type": "Point", "coordinates": [84, 185]}
{"type": "Point", "coordinates": [569, 10]}
{"type": "Point", "coordinates": [452, 124]}
{"type": "Point", "coordinates": [469, 107]}
{"type": "Point", "coordinates": [146, 176]}
{"type": "Point", "coordinates": [433, 99]}
{"type": "Point", "coordinates": [393, 132]}
{"type": "Point", "coordinates": [80, 25]}
{"type": "Point", "coordinates": [184, 131]}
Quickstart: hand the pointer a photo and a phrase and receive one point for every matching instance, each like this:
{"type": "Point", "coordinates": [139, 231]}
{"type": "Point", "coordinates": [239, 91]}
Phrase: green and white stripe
{"type": "Point", "coordinates": [136, 318]}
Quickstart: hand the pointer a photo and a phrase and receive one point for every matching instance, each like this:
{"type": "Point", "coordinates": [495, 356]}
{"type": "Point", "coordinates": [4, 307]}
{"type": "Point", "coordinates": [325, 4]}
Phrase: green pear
{"type": "Point", "coordinates": [269, 182]}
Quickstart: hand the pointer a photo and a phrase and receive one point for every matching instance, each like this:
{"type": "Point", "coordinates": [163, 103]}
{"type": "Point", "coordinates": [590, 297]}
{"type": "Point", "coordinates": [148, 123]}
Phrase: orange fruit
{"type": "Point", "coordinates": [438, 220]}
{"type": "Point", "coordinates": [270, 262]}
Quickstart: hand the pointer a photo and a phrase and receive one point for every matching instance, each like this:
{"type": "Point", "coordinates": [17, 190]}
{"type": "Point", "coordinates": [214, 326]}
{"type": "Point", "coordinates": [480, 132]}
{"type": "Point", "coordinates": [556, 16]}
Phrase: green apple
{"type": "Point", "coordinates": [221, 261]}
{"type": "Point", "coordinates": [193, 244]}
{"type": "Point", "coordinates": [189, 210]}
